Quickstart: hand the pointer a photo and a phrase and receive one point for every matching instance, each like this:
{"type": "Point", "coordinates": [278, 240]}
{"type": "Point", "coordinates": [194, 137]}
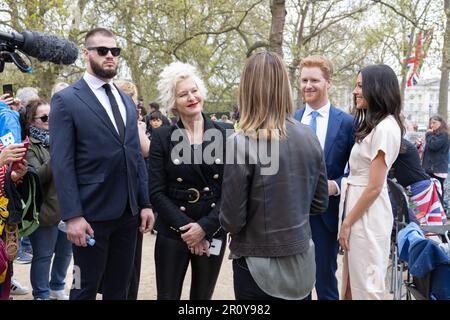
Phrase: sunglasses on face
{"type": "Point", "coordinates": [103, 51]}
{"type": "Point", "coordinates": [43, 118]}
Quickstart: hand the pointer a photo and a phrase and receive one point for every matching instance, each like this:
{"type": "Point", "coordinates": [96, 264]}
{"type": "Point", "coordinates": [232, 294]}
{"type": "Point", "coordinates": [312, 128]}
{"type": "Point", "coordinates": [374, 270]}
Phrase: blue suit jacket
{"type": "Point", "coordinates": [338, 145]}
{"type": "Point", "coordinates": [96, 175]}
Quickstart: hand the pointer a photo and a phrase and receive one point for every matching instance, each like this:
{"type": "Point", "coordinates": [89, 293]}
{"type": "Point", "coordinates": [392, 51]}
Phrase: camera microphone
{"type": "Point", "coordinates": [44, 47]}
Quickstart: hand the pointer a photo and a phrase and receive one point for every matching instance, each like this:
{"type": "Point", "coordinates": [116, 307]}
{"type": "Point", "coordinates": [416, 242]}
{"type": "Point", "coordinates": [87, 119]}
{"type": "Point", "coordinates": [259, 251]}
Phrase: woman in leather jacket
{"type": "Point", "coordinates": [268, 199]}
{"type": "Point", "coordinates": [185, 178]}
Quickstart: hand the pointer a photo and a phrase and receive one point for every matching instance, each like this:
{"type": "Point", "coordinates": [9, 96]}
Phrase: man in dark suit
{"type": "Point", "coordinates": [334, 128]}
{"type": "Point", "coordinates": [99, 172]}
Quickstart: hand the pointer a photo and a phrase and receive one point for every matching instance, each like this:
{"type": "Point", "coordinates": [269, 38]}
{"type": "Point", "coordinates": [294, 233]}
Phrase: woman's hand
{"type": "Point", "coordinates": [13, 103]}
{"type": "Point", "coordinates": [13, 152]}
{"type": "Point", "coordinates": [192, 233]}
{"type": "Point", "coordinates": [418, 142]}
{"type": "Point", "coordinates": [344, 235]}
{"type": "Point", "coordinates": [17, 175]}
{"type": "Point", "coordinates": [200, 248]}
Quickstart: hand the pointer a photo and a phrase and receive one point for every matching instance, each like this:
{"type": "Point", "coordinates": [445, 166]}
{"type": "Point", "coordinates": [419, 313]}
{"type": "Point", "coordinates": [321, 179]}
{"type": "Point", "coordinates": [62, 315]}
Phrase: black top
{"type": "Point", "coordinates": [435, 154]}
{"type": "Point", "coordinates": [407, 169]}
{"type": "Point", "coordinates": [182, 192]}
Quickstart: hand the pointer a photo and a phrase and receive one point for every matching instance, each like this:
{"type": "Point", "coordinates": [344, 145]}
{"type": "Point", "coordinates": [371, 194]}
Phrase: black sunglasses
{"type": "Point", "coordinates": [43, 118]}
{"type": "Point", "coordinates": [103, 51]}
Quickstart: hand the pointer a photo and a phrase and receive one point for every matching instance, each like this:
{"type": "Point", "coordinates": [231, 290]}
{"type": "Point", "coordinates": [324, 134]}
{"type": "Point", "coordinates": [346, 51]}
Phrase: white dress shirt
{"type": "Point", "coordinates": [322, 121]}
{"type": "Point", "coordinates": [321, 128]}
{"type": "Point", "coordinates": [96, 86]}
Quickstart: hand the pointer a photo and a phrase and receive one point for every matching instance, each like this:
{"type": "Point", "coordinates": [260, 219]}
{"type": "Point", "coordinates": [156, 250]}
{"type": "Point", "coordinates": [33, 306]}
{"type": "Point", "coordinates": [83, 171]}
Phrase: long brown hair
{"type": "Point", "coordinates": [443, 127]}
{"type": "Point", "coordinates": [29, 114]}
{"type": "Point", "coordinates": [31, 109]}
{"type": "Point", "coordinates": [265, 97]}
{"type": "Point", "coordinates": [381, 90]}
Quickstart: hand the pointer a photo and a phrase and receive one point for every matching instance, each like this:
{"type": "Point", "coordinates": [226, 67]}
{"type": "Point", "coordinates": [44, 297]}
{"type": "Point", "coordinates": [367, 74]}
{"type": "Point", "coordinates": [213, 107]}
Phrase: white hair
{"type": "Point", "coordinates": [168, 79]}
{"type": "Point", "coordinates": [59, 86]}
{"type": "Point", "coordinates": [26, 94]}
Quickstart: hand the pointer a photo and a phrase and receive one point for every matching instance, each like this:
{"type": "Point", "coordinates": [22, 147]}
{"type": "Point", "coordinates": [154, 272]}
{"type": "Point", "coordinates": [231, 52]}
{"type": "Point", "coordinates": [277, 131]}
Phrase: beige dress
{"type": "Point", "coordinates": [365, 264]}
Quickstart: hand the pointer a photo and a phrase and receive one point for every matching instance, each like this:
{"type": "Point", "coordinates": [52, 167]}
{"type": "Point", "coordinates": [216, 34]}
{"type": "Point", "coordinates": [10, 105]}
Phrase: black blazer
{"type": "Point", "coordinates": [182, 192]}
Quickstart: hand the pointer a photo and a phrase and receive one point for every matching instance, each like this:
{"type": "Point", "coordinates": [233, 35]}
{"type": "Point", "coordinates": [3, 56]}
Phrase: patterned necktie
{"type": "Point", "coordinates": [313, 122]}
{"type": "Point", "coordinates": [115, 110]}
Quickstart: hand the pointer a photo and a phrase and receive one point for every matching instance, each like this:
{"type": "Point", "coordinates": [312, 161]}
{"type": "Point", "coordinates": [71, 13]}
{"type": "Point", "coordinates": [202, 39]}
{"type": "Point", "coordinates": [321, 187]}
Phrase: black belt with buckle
{"type": "Point", "coordinates": [191, 195]}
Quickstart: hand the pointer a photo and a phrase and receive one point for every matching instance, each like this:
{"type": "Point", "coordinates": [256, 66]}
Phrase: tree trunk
{"type": "Point", "coordinates": [297, 56]}
{"type": "Point", "coordinates": [278, 10]}
{"type": "Point", "coordinates": [445, 66]}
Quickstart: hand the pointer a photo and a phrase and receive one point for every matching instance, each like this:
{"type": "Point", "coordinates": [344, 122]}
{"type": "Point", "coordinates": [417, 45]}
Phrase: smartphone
{"type": "Point", "coordinates": [15, 164]}
{"type": "Point", "coordinates": [8, 89]}
{"type": "Point", "coordinates": [215, 246]}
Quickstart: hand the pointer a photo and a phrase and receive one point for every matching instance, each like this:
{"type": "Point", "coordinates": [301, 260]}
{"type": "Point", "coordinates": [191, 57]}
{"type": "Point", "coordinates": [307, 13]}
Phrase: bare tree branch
{"type": "Point", "coordinates": [256, 45]}
{"type": "Point", "coordinates": [398, 12]}
{"type": "Point", "coordinates": [335, 20]}
{"type": "Point", "coordinates": [229, 29]}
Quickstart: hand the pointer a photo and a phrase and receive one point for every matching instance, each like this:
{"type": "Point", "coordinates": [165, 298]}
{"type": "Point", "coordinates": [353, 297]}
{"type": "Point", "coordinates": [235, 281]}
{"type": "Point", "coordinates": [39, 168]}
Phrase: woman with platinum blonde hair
{"type": "Point", "coordinates": [185, 188]}
{"type": "Point", "coordinates": [168, 80]}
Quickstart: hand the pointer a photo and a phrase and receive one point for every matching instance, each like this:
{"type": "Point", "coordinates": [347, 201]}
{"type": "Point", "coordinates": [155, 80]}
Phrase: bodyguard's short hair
{"type": "Point", "coordinates": [103, 31]}
{"type": "Point", "coordinates": [170, 76]}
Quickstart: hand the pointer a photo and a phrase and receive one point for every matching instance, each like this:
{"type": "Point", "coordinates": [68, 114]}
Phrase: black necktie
{"type": "Point", "coordinates": [115, 110]}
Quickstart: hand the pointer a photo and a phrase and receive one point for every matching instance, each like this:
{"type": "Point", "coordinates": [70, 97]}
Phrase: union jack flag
{"type": "Point", "coordinates": [414, 64]}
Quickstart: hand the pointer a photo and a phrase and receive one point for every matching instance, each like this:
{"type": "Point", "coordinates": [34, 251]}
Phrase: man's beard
{"type": "Point", "coordinates": [100, 72]}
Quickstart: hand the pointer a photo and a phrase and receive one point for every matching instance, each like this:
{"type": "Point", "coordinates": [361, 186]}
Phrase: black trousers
{"type": "Point", "coordinates": [110, 260]}
{"type": "Point", "coordinates": [133, 288]}
{"type": "Point", "coordinates": [172, 258]}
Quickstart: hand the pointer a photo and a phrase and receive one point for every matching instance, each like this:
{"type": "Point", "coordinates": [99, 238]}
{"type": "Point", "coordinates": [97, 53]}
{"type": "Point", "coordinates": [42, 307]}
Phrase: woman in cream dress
{"type": "Point", "coordinates": [366, 212]}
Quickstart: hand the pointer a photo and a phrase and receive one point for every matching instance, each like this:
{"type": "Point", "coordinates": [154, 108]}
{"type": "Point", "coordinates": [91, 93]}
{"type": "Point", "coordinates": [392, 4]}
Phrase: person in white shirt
{"type": "Point", "coordinates": [99, 172]}
{"type": "Point", "coordinates": [334, 128]}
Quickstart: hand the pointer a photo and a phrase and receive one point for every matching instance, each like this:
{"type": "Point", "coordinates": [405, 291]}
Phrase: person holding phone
{"type": "Point", "coordinates": [8, 89]}
{"type": "Point", "coordinates": [185, 187]}
{"type": "Point", "coordinates": [8, 98]}
{"type": "Point", "coordinates": [10, 130]}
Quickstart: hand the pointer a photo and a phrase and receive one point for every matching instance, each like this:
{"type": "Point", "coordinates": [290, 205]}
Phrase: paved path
{"type": "Point", "coordinates": [147, 290]}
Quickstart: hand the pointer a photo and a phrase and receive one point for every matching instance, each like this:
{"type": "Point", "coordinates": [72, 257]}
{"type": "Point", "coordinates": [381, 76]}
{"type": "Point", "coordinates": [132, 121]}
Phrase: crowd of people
{"type": "Point", "coordinates": [290, 187]}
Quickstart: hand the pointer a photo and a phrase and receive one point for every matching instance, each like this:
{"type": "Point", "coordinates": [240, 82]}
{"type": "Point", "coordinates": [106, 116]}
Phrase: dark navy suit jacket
{"type": "Point", "coordinates": [338, 145]}
{"type": "Point", "coordinates": [96, 175]}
